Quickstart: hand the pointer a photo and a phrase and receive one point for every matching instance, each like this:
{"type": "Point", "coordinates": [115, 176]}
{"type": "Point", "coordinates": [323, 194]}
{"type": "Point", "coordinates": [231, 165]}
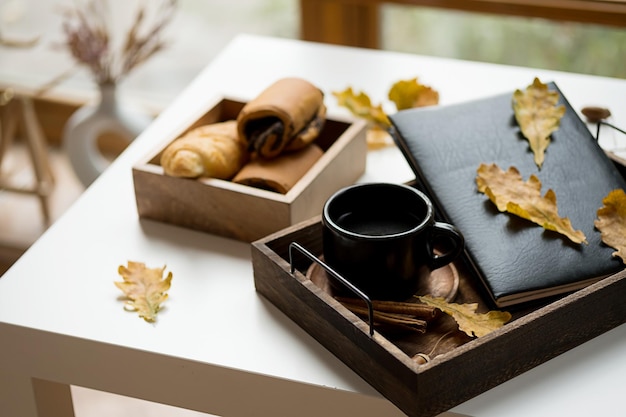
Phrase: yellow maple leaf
{"type": "Point", "coordinates": [508, 191]}
{"type": "Point", "coordinates": [472, 323]}
{"type": "Point", "coordinates": [538, 116]}
{"type": "Point", "coordinates": [611, 222]}
{"type": "Point", "coordinates": [407, 94]}
{"type": "Point", "coordinates": [361, 106]}
{"type": "Point", "coordinates": [144, 288]}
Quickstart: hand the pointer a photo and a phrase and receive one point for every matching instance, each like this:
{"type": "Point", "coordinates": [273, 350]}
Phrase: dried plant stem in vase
{"type": "Point", "coordinates": [91, 39]}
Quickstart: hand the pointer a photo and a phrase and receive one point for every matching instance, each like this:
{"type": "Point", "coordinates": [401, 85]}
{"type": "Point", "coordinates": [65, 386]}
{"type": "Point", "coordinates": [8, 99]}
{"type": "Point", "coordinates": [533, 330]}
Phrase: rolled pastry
{"type": "Point", "coordinates": [287, 115]}
{"type": "Point", "coordinates": [212, 150]}
{"type": "Point", "coordinates": [279, 174]}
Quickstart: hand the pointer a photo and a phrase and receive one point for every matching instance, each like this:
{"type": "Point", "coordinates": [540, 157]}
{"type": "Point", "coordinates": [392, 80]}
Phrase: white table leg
{"type": "Point", "coordinates": [17, 397]}
{"type": "Point", "coordinates": [23, 396]}
{"type": "Point", "coordinates": [53, 399]}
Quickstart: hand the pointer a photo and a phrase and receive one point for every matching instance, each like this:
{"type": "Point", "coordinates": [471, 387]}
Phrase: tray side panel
{"type": "Point", "coordinates": [194, 205]}
{"type": "Point", "coordinates": [525, 343]}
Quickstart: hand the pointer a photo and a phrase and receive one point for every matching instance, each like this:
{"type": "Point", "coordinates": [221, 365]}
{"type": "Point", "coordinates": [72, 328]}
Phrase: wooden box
{"type": "Point", "coordinates": [461, 367]}
{"type": "Point", "coordinates": [243, 212]}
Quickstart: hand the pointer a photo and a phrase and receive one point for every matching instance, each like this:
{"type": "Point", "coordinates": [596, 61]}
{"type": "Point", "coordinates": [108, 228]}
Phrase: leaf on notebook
{"type": "Point", "coordinates": [472, 323]}
{"type": "Point", "coordinates": [611, 222]}
{"type": "Point", "coordinates": [407, 94]}
{"type": "Point", "coordinates": [361, 106]}
{"type": "Point", "coordinates": [508, 191]}
{"type": "Point", "coordinates": [538, 116]}
{"type": "Point", "coordinates": [145, 288]}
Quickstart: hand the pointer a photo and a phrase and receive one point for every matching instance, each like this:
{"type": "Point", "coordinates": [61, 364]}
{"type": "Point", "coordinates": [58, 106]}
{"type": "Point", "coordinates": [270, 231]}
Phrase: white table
{"type": "Point", "coordinates": [219, 347]}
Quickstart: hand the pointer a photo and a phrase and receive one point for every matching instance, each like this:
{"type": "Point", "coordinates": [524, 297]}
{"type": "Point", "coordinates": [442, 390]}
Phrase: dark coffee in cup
{"type": "Point", "coordinates": [381, 224]}
{"type": "Point", "coordinates": [381, 237]}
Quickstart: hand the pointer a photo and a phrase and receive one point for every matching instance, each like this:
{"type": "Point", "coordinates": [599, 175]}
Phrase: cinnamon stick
{"type": "Point", "coordinates": [394, 319]}
{"type": "Point", "coordinates": [422, 311]}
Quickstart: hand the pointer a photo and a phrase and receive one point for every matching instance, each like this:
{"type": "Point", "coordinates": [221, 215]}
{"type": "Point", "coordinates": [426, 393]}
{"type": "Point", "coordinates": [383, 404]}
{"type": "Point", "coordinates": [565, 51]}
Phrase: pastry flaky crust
{"type": "Point", "coordinates": [287, 115]}
{"type": "Point", "coordinates": [212, 150]}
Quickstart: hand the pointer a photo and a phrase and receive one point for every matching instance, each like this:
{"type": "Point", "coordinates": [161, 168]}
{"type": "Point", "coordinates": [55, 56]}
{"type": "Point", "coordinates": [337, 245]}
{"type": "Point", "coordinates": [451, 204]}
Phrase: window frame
{"type": "Point", "coordinates": [357, 22]}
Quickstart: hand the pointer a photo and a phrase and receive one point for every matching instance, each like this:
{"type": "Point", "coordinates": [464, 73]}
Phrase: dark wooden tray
{"type": "Point", "coordinates": [461, 367]}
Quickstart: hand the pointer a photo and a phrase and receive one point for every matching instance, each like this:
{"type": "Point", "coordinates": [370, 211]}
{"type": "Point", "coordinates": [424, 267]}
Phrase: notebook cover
{"type": "Point", "coordinates": [517, 260]}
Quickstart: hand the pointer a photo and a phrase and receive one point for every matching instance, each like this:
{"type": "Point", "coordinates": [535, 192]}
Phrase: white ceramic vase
{"type": "Point", "coordinates": [90, 122]}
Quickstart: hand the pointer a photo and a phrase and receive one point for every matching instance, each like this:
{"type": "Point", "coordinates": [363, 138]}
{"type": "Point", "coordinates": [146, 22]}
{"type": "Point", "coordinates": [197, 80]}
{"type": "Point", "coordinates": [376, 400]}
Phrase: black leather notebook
{"type": "Point", "coordinates": [517, 260]}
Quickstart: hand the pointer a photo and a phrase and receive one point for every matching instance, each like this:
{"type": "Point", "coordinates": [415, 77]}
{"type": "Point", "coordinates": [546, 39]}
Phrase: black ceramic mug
{"type": "Point", "coordinates": [381, 237]}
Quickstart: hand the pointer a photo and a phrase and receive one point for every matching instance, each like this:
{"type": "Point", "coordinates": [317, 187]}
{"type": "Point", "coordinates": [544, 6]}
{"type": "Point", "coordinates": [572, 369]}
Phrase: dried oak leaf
{"type": "Point", "coordinates": [378, 138]}
{"type": "Point", "coordinates": [472, 323]}
{"type": "Point", "coordinates": [361, 106]}
{"type": "Point", "coordinates": [510, 193]}
{"type": "Point", "coordinates": [407, 94]}
{"type": "Point", "coordinates": [538, 116]}
{"type": "Point", "coordinates": [144, 288]}
{"type": "Point", "coordinates": [611, 222]}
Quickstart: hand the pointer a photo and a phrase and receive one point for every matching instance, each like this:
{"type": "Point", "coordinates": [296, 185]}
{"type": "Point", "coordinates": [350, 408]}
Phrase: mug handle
{"type": "Point", "coordinates": [453, 235]}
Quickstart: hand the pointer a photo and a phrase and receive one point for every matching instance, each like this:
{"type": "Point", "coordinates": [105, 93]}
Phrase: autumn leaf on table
{"type": "Point", "coordinates": [508, 191]}
{"type": "Point", "coordinates": [144, 288]}
{"type": "Point", "coordinates": [611, 222]}
{"type": "Point", "coordinates": [472, 323]}
{"type": "Point", "coordinates": [538, 116]}
{"type": "Point", "coordinates": [378, 138]}
{"type": "Point", "coordinates": [407, 94]}
{"type": "Point", "coordinates": [361, 106]}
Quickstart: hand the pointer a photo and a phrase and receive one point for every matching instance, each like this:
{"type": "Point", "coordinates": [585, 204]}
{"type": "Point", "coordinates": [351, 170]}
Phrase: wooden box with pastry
{"type": "Point", "coordinates": [245, 170]}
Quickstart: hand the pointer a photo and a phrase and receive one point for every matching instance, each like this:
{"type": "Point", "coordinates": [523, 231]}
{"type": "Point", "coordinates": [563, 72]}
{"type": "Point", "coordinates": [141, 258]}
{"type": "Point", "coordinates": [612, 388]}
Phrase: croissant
{"type": "Point", "coordinates": [212, 150]}
{"type": "Point", "coordinates": [288, 115]}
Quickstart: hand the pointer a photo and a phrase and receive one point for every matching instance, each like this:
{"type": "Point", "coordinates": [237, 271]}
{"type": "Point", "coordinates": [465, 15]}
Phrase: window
{"type": "Point", "coordinates": [531, 42]}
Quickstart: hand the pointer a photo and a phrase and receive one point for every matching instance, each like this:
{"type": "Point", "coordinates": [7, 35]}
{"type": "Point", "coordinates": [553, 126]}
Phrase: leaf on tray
{"type": "Point", "coordinates": [510, 193]}
{"type": "Point", "coordinates": [538, 116]}
{"type": "Point", "coordinates": [472, 323]}
{"type": "Point", "coordinates": [144, 288]}
{"type": "Point", "coordinates": [361, 106]}
{"type": "Point", "coordinates": [407, 94]}
{"type": "Point", "coordinates": [611, 222]}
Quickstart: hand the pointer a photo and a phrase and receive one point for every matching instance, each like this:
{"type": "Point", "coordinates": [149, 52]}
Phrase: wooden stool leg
{"type": "Point", "coordinates": [8, 122]}
{"type": "Point", "coordinates": [15, 109]}
{"type": "Point", "coordinates": [37, 139]}
{"type": "Point", "coordinates": [39, 155]}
